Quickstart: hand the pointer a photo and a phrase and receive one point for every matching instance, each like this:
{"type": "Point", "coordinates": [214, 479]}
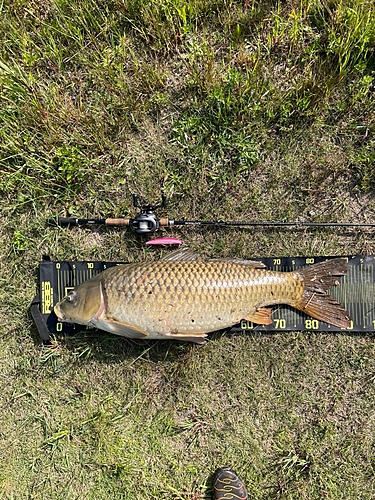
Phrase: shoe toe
{"type": "Point", "coordinates": [227, 485]}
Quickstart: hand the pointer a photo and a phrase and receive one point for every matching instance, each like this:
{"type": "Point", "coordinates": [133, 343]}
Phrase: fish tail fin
{"type": "Point", "coordinates": [318, 278]}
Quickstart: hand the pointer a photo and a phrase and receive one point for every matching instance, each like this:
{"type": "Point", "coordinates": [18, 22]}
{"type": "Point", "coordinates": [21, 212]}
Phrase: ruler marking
{"type": "Point", "coordinates": [58, 285]}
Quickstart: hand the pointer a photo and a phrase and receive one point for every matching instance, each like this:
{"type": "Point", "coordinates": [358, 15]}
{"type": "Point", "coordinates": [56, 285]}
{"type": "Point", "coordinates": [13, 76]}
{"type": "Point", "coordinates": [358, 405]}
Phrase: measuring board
{"type": "Point", "coordinates": [356, 293]}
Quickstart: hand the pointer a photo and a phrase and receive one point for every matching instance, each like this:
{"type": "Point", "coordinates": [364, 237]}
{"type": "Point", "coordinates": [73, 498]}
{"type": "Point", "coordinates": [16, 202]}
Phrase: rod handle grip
{"type": "Point", "coordinates": [164, 222]}
{"type": "Point", "coordinates": [117, 222]}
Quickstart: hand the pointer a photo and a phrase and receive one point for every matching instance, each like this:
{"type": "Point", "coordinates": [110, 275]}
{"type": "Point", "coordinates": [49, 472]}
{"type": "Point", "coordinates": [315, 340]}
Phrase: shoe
{"type": "Point", "coordinates": [227, 484]}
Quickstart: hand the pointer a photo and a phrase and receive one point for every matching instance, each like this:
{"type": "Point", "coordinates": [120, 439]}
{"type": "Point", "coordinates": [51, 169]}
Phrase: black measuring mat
{"type": "Point", "coordinates": [356, 293]}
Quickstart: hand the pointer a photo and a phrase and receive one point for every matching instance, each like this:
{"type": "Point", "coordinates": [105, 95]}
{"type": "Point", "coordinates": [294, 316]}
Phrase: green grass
{"type": "Point", "coordinates": [238, 110]}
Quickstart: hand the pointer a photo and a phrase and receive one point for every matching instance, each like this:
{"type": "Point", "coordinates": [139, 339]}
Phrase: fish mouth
{"type": "Point", "coordinates": [60, 315]}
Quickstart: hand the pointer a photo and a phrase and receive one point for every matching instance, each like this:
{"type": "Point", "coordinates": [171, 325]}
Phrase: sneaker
{"type": "Point", "coordinates": [228, 485]}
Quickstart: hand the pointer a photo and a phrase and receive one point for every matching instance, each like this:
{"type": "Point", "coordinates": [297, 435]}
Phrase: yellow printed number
{"type": "Point", "coordinates": [311, 324]}
{"type": "Point", "coordinates": [247, 325]}
{"type": "Point", "coordinates": [280, 323]}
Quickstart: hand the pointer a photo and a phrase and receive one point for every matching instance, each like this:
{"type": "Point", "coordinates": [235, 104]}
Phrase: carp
{"type": "Point", "coordinates": [184, 298]}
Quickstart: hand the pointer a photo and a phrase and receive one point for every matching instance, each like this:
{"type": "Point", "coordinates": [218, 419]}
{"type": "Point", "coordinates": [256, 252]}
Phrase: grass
{"type": "Point", "coordinates": [238, 111]}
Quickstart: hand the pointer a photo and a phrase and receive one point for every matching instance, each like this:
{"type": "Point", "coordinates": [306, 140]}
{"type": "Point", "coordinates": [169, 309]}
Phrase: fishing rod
{"type": "Point", "coordinates": [147, 222]}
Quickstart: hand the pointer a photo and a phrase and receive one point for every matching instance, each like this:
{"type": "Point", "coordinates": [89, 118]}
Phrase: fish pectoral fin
{"type": "Point", "coordinates": [123, 329]}
{"type": "Point", "coordinates": [261, 316]}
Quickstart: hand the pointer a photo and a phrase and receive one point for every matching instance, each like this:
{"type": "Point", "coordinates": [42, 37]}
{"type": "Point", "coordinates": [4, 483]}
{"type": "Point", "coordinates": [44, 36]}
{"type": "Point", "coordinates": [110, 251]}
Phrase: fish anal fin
{"type": "Point", "coordinates": [262, 316]}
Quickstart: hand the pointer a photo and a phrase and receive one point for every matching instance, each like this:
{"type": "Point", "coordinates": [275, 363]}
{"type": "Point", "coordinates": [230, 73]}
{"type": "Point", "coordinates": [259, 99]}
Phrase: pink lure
{"type": "Point", "coordinates": [164, 241]}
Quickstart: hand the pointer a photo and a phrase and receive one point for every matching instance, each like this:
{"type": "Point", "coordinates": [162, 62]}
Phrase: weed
{"type": "Point", "coordinates": [67, 161]}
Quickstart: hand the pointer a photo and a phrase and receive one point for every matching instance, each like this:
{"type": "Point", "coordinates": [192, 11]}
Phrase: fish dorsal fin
{"type": "Point", "coordinates": [244, 262]}
{"type": "Point", "coordinates": [181, 255]}
{"type": "Point", "coordinates": [187, 255]}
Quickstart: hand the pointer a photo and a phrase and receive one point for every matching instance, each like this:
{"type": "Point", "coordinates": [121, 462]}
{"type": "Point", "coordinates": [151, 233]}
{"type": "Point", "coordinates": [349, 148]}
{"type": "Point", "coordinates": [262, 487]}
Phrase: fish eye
{"type": "Point", "coordinates": [71, 295]}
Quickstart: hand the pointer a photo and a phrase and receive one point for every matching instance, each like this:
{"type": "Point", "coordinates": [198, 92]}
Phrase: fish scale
{"type": "Point", "coordinates": [193, 296]}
